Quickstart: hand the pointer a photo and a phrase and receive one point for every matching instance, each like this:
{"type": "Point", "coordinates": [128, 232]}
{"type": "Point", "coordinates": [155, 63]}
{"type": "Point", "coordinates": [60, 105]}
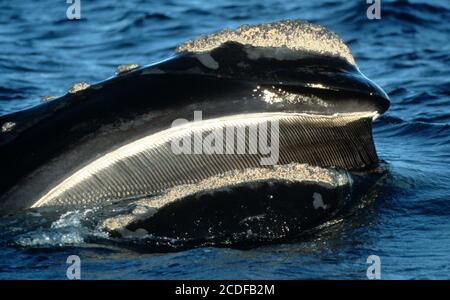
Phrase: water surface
{"type": "Point", "coordinates": [407, 53]}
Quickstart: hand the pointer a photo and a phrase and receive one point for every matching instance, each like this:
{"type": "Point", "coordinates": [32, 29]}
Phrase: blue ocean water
{"type": "Point", "coordinates": [407, 53]}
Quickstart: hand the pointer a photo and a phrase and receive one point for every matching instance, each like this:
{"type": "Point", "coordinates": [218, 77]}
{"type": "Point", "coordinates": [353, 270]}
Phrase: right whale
{"type": "Point", "coordinates": [113, 142]}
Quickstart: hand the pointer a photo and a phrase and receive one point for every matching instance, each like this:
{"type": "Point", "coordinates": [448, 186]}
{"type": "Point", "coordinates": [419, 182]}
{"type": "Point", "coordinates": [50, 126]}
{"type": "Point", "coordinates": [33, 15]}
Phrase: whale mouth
{"type": "Point", "coordinates": [197, 151]}
{"type": "Point", "coordinates": [111, 145]}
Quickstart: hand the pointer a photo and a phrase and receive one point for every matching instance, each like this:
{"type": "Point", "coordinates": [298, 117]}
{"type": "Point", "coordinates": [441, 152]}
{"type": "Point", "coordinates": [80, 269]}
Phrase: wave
{"type": "Point", "coordinates": [424, 132]}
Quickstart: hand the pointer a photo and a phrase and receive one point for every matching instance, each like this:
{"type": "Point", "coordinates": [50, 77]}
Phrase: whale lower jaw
{"type": "Point", "coordinates": [268, 203]}
{"type": "Point", "coordinates": [167, 159]}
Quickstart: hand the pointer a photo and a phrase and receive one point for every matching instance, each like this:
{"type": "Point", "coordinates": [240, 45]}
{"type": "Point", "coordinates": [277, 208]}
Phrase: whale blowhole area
{"type": "Point", "coordinates": [294, 38]}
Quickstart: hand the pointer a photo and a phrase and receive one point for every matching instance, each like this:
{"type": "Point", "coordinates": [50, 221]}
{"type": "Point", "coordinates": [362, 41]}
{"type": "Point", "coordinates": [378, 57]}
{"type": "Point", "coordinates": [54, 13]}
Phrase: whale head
{"type": "Point", "coordinates": [111, 142]}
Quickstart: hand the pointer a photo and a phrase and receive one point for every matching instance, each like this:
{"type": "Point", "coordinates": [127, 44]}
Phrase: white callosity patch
{"type": "Point", "coordinates": [80, 86]}
{"type": "Point", "coordinates": [125, 68]}
{"type": "Point", "coordinates": [8, 126]}
{"type": "Point", "coordinates": [318, 201]}
{"type": "Point", "coordinates": [280, 40]}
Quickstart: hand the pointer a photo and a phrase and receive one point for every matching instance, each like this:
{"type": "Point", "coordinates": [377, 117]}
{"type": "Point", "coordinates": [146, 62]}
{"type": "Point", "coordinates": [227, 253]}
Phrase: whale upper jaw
{"type": "Point", "coordinates": [332, 79]}
{"type": "Point", "coordinates": [290, 53]}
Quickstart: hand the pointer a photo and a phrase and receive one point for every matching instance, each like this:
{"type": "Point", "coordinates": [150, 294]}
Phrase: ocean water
{"type": "Point", "coordinates": [407, 52]}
